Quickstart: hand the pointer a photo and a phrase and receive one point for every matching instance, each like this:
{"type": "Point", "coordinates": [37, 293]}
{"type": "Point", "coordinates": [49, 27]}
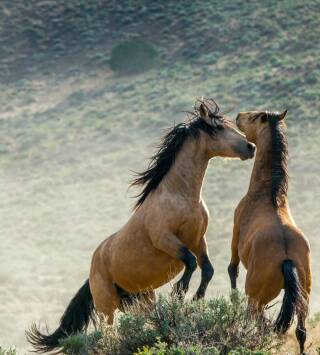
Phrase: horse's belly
{"type": "Point", "coordinates": [146, 272]}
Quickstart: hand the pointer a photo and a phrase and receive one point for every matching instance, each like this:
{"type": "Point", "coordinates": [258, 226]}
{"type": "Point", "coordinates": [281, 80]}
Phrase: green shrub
{"type": "Point", "coordinates": [133, 56]}
{"type": "Point", "coordinates": [216, 326]}
{"type": "Point", "coordinates": [80, 344]}
{"type": "Point", "coordinates": [161, 348]}
{"type": "Point", "coordinates": [10, 351]}
{"type": "Point", "coordinates": [244, 351]}
{"type": "Point", "coordinates": [315, 319]}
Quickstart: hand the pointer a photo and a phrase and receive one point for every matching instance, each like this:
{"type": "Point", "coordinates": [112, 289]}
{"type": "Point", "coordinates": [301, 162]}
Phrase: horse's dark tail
{"type": "Point", "coordinates": [294, 301]}
{"type": "Point", "coordinates": [75, 319]}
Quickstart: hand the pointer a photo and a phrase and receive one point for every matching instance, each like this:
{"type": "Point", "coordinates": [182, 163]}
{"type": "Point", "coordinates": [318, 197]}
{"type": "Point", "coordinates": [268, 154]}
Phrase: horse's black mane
{"type": "Point", "coordinates": [279, 165]}
{"type": "Point", "coordinates": [170, 146]}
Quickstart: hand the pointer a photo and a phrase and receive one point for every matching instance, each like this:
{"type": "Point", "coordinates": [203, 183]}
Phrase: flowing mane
{"type": "Point", "coordinates": [279, 165]}
{"type": "Point", "coordinates": [170, 146]}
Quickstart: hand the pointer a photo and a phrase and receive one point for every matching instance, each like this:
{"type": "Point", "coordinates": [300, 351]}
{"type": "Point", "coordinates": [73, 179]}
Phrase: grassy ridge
{"type": "Point", "coordinates": [42, 29]}
{"type": "Point", "coordinates": [249, 54]}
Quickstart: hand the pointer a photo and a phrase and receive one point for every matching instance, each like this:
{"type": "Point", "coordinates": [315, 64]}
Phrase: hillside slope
{"type": "Point", "coordinates": [72, 130]}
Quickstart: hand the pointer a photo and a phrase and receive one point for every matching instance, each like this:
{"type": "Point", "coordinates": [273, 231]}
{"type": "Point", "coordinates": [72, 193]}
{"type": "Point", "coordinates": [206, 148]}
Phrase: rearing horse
{"type": "Point", "coordinates": [166, 232]}
{"type": "Point", "coordinates": [266, 239]}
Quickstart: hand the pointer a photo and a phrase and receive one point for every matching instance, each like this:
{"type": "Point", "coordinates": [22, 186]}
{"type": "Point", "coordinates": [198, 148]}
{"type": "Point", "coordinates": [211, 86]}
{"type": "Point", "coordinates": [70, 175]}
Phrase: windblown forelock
{"type": "Point", "coordinates": [211, 106]}
{"type": "Point", "coordinates": [218, 121]}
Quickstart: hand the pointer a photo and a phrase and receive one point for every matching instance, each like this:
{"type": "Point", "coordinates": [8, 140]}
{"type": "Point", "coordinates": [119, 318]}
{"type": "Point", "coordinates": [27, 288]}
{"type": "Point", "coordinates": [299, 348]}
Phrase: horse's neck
{"type": "Point", "coordinates": [261, 177]}
{"type": "Point", "coordinates": [187, 174]}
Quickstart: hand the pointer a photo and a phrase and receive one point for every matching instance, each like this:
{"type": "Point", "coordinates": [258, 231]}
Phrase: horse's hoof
{"type": "Point", "coordinates": [197, 297]}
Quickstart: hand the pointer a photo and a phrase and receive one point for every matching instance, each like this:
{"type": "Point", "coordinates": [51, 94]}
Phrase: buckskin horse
{"type": "Point", "coordinates": [166, 231]}
{"type": "Point", "coordinates": [266, 239]}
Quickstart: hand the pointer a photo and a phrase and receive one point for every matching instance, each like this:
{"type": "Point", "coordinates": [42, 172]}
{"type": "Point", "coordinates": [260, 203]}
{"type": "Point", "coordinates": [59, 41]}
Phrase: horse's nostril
{"type": "Point", "coordinates": [251, 147]}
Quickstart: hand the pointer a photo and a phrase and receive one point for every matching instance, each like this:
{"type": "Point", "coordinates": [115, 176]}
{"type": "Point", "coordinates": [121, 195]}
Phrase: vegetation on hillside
{"type": "Point", "coordinates": [198, 32]}
{"type": "Point", "coordinates": [173, 327]}
{"type": "Point", "coordinates": [10, 351]}
{"type": "Point", "coordinates": [257, 54]}
{"type": "Point", "coordinates": [133, 56]}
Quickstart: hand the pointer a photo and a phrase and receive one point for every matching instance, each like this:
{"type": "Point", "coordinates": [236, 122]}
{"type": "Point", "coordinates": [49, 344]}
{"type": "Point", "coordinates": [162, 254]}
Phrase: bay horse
{"type": "Point", "coordinates": [166, 231]}
{"type": "Point", "coordinates": [266, 239]}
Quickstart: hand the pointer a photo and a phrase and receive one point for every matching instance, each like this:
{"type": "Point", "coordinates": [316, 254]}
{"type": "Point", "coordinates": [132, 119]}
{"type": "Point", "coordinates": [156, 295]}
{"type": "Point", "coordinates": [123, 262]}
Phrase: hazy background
{"type": "Point", "coordinates": [78, 113]}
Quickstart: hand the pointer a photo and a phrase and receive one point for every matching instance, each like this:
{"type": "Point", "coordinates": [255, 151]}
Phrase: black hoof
{"type": "Point", "coordinates": [198, 296]}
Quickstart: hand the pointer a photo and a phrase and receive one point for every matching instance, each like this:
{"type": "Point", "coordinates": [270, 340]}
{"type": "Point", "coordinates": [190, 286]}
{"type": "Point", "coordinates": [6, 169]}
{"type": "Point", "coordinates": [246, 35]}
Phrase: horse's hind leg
{"type": "Point", "coordinates": [302, 311]}
{"type": "Point", "coordinates": [301, 333]}
{"type": "Point", "coordinates": [105, 296]}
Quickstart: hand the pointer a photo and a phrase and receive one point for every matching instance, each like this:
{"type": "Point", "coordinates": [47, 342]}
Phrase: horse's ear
{"type": "Point", "coordinates": [282, 115]}
{"type": "Point", "coordinates": [204, 114]}
{"type": "Point", "coordinates": [263, 117]}
{"type": "Point", "coordinates": [203, 111]}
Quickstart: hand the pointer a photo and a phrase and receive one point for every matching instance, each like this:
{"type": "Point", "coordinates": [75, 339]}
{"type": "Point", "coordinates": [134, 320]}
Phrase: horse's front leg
{"type": "Point", "coordinates": [181, 287]}
{"type": "Point", "coordinates": [172, 246]}
{"type": "Point", "coordinates": [206, 269]}
{"type": "Point", "coordinates": [233, 268]}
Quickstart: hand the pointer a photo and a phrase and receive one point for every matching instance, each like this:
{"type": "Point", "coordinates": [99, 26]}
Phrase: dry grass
{"type": "Point", "coordinates": [313, 343]}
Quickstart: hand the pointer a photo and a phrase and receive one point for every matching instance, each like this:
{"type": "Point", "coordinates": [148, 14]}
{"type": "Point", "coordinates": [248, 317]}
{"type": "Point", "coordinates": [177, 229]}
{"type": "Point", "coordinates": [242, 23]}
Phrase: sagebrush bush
{"type": "Point", "coordinates": [10, 351]}
{"type": "Point", "coordinates": [133, 56]}
{"type": "Point", "coordinates": [216, 326]}
{"type": "Point", "coordinates": [315, 319]}
{"type": "Point", "coordinates": [80, 344]}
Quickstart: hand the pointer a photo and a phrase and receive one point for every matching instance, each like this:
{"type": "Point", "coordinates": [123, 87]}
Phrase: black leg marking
{"type": "Point", "coordinates": [233, 271]}
{"type": "Point", "coordinates": [190, 262]}
{"type": "Point", "coordinates": [207, 272]}
{"type": "Point", "coordinates": [301, 335]}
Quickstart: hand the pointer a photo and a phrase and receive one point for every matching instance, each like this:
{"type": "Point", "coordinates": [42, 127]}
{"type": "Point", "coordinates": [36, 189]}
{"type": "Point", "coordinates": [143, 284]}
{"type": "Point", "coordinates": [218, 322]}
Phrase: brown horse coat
{"type": "Point", "coordinates": [166, 232]}
{"type": "Point", "coordinates": [266, 239]}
